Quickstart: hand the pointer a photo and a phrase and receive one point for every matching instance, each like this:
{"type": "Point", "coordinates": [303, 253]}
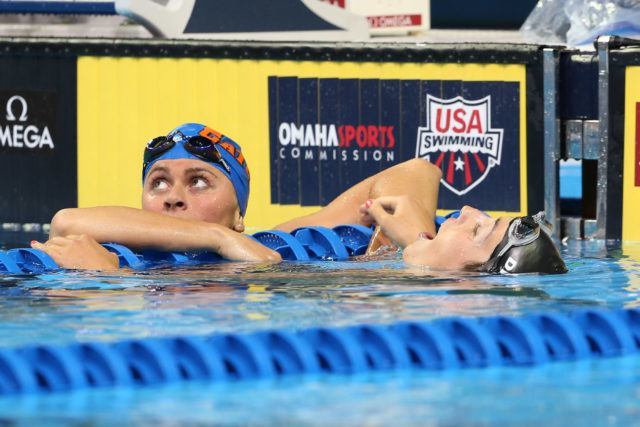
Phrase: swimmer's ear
{"type": "Point", "coordinates": [238, 222]}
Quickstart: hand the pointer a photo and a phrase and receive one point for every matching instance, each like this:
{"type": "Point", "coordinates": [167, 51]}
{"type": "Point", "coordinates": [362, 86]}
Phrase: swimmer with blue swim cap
{"type": "Point", "coordinates": [195, 196]}
{"type": "Point", "coordinates": [191, 144]}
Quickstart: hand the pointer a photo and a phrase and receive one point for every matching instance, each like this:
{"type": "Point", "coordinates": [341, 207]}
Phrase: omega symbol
{"type": "Point", "coordinates": [23, 115]}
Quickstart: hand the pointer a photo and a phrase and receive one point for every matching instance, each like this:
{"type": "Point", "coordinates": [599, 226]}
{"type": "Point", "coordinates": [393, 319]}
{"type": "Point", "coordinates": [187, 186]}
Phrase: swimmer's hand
{"type": "Point", "coordinates": [402, 218]}
{"type": "Point", "coordinates": [78, 252]}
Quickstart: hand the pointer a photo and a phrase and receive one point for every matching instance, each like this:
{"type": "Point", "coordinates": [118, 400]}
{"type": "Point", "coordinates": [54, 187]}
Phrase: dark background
{"type": "Point", "coordinates": [37, 183]}
{"type": "Point", "coordinates": [399, 103]}
{"type": "Point", "coordinates": [483, 14]}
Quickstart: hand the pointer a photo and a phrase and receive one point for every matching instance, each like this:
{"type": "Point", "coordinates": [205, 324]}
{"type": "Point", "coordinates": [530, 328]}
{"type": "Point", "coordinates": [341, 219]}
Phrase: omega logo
{"type": "Point", "coordinates": [16, 135]}
{"type": "Point", "coordinates": [23, 116]}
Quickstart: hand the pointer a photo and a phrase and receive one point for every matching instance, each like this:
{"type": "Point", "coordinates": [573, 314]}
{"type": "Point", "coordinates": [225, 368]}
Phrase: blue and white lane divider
{"type": "Point", "coordinates": [448, 343]}
{"type": "Point", "coordinates": [303, 244]}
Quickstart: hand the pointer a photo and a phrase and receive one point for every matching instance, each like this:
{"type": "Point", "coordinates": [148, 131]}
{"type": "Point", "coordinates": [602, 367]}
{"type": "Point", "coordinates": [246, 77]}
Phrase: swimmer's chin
{"type": "Point", "coordinates": [416, 253]}
{"type": "Point", "coordinates": [420, 256]}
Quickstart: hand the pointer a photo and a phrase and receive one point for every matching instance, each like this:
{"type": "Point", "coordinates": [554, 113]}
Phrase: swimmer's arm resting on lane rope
{"type": "Point", "coordinates": [417, 179]}
{"type": "Point", "coordinates": [139, 229]}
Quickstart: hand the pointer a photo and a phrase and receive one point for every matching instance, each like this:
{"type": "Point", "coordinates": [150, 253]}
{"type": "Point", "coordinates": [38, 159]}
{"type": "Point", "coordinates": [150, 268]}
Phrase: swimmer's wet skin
{"type": "Point", "coordinates": [195, 195]}
{"type": "Point", "coordinates": [525, 248]}
{"type": "Point", "coordinates": [473, 241]}
{"type": "Point", "coordinates": [196, 190]}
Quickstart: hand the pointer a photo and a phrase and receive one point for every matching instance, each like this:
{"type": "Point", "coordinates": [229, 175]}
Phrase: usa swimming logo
{"type": "Point", "coordinates": [459, 140]}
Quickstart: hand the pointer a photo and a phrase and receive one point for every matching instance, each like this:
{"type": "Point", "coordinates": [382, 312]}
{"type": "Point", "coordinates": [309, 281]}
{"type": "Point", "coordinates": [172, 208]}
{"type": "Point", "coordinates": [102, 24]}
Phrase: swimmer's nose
{"type": "Point", "coordinates": [171, 205]}
{"type": "Point", "coordinates": [174, 201]}
{"type": "Point", "coordinates": [467, 211]}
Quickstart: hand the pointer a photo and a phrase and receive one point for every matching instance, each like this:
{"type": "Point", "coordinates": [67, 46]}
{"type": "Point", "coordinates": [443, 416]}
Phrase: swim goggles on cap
{"type": "Point", "coordinates": [201, 146]}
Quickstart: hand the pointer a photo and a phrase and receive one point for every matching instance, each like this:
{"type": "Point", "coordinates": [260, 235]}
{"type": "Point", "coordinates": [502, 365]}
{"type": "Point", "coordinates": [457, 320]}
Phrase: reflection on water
{"type": "Point", "coordinates": [66, 306]}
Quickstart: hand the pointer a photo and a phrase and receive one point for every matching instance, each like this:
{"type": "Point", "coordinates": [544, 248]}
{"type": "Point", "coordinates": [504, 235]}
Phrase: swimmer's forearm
{"type": "Point", "coordinates": [140, 229]}
{"type": "Point", "coordinates": [238, 247]}
{"type": "Point", "coordinates": [415, 178]}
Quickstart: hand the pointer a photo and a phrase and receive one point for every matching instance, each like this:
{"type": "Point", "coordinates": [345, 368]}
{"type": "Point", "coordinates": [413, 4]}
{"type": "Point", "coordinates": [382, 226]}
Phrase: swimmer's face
{"type": "Point", "coordinates": [461, 242]}
{"type": "Point", "coordinates": [191, 189]}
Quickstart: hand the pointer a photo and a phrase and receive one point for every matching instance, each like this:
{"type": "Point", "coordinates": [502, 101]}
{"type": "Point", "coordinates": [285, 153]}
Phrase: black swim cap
{"type": "Point", "coordinates": [527, 247]}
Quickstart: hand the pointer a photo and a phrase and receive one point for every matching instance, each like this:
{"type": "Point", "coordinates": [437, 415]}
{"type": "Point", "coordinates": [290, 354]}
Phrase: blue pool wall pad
{"type": "Point", "coordinates": [303, 244]}
{"type": "Point", "coordinates": [441, 344]}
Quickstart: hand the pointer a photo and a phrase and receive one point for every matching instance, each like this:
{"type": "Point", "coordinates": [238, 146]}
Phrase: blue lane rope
{"type": "Point", "coordinates": [304, 244]}
{"type": "Point", "coordinates": [448, 343]}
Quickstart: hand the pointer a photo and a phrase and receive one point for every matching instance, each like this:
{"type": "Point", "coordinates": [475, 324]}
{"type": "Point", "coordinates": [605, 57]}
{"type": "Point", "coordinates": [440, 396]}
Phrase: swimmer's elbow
{"type": "Point", "coordinates": [434, 171]}
{"type": "Point", "coordinates": [272, 257]}
{"type": "Point", "coordinates": [423, 166]}
{"type": "Point", "coordinates": [62, 222]}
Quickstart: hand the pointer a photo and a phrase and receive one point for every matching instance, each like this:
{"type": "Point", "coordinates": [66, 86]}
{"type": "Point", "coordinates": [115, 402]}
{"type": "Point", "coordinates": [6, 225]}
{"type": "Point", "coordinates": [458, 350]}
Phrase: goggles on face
{"type": "Point", "coordinates": [527, 247]}
{"type": "Point", "coordinates": [204, 147]}
{"type": "Point", "coordinates": [523, 231]}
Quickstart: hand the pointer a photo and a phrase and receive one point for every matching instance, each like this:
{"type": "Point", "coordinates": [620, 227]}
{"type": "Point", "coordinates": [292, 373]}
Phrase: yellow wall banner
{"type": "Point", "coordinates": [631, 178]}
{"type": "Point", "coordinates": [309, 130]}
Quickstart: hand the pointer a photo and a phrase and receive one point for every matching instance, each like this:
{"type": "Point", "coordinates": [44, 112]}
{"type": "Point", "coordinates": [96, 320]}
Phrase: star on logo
{"type": "Point", "coordinates": [459, 164]}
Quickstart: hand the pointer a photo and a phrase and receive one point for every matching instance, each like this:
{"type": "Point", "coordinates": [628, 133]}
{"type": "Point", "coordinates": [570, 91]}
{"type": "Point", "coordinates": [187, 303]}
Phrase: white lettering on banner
{"type": "Point", "coordinates": [5, 137]}
{"type": "Point", "coordinates": [333, 154]}
{"type": "Point", "coordinates": [284, 134]}
{"type": "Point", "coordinates": [17, 135]}
{"type": "Point", "coordinates": [23, 115]}
{"type": "Point", "coordinates": [309, 140]}
{"type": "Point", "coordinates": [308, 135]}
{"type": "Point", "coordinates": [29, 136]}
{"type": "Point", "coordinates": [353, 143]}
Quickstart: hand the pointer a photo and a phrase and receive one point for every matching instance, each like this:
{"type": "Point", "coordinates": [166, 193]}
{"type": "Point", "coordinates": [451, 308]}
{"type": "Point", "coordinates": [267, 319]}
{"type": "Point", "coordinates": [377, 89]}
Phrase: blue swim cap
{"type": "Point", "coordinates": [230, 152]}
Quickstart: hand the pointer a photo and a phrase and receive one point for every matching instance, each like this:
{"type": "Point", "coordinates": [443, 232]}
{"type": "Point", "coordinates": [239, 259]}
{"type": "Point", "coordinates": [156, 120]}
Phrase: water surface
{"type": "Point", "coordinates": [78, 306]}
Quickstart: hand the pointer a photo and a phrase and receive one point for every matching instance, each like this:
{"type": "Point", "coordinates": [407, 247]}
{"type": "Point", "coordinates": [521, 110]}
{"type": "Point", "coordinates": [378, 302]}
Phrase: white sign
{"type": "Point", "coordinates": [254, 19]}
{"type": "Point", "coordinates": [390, 16]}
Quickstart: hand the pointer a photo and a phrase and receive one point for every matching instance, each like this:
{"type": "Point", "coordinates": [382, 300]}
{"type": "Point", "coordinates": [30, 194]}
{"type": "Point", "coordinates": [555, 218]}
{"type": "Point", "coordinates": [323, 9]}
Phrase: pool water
{"type": "Point", "coordinates": [73, 306]}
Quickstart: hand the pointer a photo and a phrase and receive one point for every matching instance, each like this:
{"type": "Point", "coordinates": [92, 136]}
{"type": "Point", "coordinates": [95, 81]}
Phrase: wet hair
{"type": "Point", "coordinates": [538, 256]}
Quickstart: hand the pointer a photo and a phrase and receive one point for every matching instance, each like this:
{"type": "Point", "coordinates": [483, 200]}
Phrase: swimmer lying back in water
{"type": "Point", "coordinates": [473, 241]}
{"type": "Point", "coordinates": [195, 196]}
